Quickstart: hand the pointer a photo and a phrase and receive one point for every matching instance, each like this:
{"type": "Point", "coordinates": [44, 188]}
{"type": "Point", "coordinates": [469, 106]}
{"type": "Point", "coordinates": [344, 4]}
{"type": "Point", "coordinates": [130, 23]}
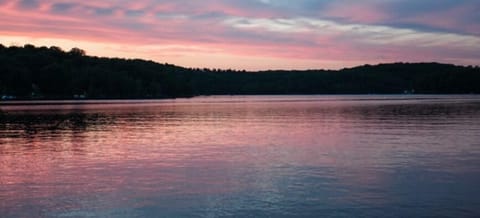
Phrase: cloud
{"type": "Point", "coordinates": [62, 7]}
{"type": "Point", "coordinates": [134, 13]}
{"type": "Point", "coordinates": [303, 31]}
{"type": "Point", "coordinates": [371, 34]}
{"type": "Point", "coordinates": [356, 12]}
{"type": "Point", "coordinates": [28, 4]}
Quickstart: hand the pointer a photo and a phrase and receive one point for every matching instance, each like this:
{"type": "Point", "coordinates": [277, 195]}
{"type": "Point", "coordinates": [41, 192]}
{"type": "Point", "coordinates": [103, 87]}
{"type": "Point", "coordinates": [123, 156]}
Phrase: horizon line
{"type": "Point", "coordinates": [204, 68]}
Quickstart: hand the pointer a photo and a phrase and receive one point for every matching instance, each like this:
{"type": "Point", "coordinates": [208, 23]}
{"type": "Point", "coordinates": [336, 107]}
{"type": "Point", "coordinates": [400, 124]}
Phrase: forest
{"type": "Point", "coordinates": [29, 72]}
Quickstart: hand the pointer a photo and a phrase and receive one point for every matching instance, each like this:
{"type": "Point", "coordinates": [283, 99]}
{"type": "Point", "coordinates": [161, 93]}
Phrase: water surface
{"type": "Point", "coordinates": [239, 156]}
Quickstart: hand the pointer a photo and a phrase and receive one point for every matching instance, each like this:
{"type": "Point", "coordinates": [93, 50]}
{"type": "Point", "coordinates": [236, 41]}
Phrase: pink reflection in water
{"type": "Point", "coordinates": [288, 154]}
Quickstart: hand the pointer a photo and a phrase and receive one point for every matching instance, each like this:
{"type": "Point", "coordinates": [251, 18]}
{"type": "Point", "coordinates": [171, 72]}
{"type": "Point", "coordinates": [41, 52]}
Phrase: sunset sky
{"type": "Point", "coordinates": [252, 34]}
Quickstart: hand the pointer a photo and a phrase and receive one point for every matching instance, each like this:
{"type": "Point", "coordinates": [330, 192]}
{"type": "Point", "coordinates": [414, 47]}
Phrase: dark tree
{"type": "Point", "coordinates": [77, 52]}
{"type": "Point", "coordinates": [31, 72]}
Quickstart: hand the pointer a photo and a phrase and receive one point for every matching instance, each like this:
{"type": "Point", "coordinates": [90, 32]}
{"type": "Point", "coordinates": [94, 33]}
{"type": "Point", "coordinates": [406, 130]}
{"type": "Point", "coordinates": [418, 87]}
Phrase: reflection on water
{"type": "Point", "coordinates": [275, 156]}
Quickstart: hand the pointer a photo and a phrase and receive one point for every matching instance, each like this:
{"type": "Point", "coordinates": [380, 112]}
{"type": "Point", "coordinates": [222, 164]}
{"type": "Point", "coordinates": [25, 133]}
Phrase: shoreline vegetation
{"type": "Point", "coordinates": [49, 73]}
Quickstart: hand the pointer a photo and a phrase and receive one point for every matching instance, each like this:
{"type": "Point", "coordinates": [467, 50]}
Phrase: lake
{"type": "Point", "coordinates": [242, 156]}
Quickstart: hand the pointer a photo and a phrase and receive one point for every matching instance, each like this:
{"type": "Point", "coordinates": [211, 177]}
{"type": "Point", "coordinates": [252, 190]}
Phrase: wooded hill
{"type": "Point", "coordinates": [30, 72]}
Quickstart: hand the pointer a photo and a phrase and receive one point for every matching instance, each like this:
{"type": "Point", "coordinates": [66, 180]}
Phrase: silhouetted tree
{"type": "Point", "coordinates": [56, 49]}
{"type": "Point", "coordinates": [77, 52]}
{"type": "Point", "coordinates": [29, 46]}
{"type": "Point", "coordinates": [29, 71]}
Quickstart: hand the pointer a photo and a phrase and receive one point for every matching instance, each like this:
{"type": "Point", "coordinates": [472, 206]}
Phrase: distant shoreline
{"type": "Point", "coordinates": [159, 100]}
{"type": "Point", "coordinates": [31, 73]}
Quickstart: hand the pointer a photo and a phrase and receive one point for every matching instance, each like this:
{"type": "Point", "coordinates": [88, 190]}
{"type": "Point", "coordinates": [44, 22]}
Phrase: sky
{"type": "Point", "coordinates": [252, 34]}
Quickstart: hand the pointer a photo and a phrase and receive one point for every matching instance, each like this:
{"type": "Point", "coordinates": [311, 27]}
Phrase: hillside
{"type": "Point", "coordinates": [49, 73]}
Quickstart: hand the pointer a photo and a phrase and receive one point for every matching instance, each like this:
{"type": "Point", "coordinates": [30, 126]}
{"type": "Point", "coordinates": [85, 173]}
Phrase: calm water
{"type": "Point", "coordinates": [263, 156]}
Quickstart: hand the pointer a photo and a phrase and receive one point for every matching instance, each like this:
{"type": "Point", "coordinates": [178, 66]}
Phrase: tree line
{"type": "Point", "coordinates": [31, 72]}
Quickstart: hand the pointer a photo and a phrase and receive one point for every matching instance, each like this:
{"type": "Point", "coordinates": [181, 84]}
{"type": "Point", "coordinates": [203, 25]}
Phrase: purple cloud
{"type": "Point", "coordinates": [344, 32]}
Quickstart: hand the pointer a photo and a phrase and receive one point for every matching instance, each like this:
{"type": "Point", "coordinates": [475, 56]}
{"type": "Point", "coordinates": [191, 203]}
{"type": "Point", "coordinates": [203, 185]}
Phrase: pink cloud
{"type": "Point", "coordinates": [166, 30]}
